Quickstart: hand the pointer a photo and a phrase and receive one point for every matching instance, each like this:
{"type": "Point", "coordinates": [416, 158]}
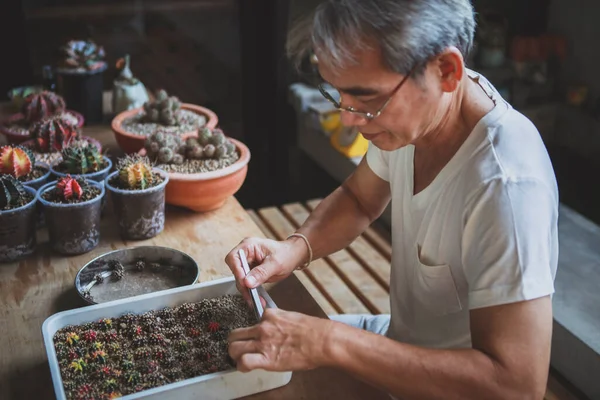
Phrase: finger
{"type": "Point", "coordinates": [250, 361]}
{"type": "Point", "coordinates": [239, 348]}
{"type": "Point", "coordinates": [261, 273]}
{"type": "Point", "coordinates": [235, 264]}
{"type": "Point", "coordinates": [244, 292]}
{"type": "Point", "coordinates": [248, 333]}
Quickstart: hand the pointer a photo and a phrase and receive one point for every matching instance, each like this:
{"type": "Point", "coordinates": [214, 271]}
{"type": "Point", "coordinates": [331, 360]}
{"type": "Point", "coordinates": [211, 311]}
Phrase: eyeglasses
{"type": "Point", "coordinates": [335, 97]}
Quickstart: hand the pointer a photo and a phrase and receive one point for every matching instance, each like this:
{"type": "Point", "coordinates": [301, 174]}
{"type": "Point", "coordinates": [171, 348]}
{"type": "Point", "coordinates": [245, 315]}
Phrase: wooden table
{"type": "Point", "coordinates": [37, 287]}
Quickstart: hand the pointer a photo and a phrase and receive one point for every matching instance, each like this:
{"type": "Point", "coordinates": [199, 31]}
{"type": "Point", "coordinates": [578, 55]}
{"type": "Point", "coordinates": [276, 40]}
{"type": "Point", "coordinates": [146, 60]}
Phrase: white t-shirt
{"type": "Point", "coordinates": [483, 233]}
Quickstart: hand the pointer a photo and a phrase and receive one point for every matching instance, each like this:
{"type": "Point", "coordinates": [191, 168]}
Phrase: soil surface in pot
{"type": "Point", "coordinates": [53, 196]}
{"type": "Point", "coordinates": [21, 127]}
{"type": "Point", "coordinates": [62, 168]}
{"type": "Point", "coordinates": [36, 173]}
{"type": "Point", "coordinates": [25, 199]}
{"type": "Point", "coordinates": [187, 121]}
{"type": "Point", "coordinates": [48, 158]}
{"type": "Point", "coordinates": [116, 182]}
{"type": "Point", "coordinates": [203, 165]}
{"type": "Point", "coordinates": [121, 355]}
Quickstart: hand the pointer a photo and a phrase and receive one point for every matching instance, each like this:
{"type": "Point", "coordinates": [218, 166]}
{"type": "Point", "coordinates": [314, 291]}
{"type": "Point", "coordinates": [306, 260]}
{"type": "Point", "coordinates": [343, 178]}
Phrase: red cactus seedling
{"type": "Point", "coordinates": [213, 326]}
{"type": "Point", "coordinates": [90, 335]}
{"type": "Point", "coordinates": [69, 188]}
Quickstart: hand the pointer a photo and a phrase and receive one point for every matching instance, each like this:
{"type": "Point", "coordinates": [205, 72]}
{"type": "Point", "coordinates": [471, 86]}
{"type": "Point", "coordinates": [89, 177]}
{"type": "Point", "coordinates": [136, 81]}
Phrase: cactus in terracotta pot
{"type": "Point", "coordinates": [209, 145]}
{"type": "Point", "coordinates": [165, 147]}
{"type": "Point", "coordinates": [53, 134]}
{"type": "Point", "coordinates": [72, 207]}
{"type": "Point", "coordinates": [138, 193]}
{"type": "Point", "coordinates": [38, 106]}
{"type": "Point", "coordinates": [164, 109]}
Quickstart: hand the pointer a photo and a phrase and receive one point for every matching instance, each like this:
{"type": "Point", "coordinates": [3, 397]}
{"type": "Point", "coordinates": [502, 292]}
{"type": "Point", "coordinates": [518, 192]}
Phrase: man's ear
{"type": "Point", "coordinates": [450, 69]}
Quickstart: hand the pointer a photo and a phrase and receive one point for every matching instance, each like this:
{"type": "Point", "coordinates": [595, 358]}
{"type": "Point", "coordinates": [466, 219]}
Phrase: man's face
{"type": "Point", "coordinates": [410, 113]}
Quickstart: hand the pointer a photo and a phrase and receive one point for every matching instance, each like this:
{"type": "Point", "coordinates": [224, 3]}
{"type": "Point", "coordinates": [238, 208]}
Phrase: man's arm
{"type": "Point", "coordinates": [347, 212]}
{"type": "Point", "coordinates": [509, 359]}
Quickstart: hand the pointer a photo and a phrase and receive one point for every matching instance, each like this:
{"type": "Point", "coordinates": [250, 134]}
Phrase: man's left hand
{"type": "Point", "coordinates": [282, 341]}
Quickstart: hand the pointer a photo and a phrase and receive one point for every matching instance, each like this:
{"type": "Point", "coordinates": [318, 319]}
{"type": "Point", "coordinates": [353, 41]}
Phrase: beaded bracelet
{"type": "Point", "coordinates": [310, 253]}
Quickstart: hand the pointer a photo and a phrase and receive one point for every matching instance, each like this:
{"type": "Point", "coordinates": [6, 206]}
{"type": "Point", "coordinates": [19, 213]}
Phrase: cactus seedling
{"type": "Point", "coordinates": [53, 134]}
{"type": "Point", "coordinates": [12, 193]}
{"type": "Point", "coordinates": [81, 159]}
{"type": "Point", "coordinates": [16, 161]}
{"type": "Point", "coordinates": [69, 188]}
{"type": "Point", "coordinates": [163, 110]}
{"type": "Point", "coordinates": [38, 106]}
{"type": "Point", "coordinates": [135, 172]}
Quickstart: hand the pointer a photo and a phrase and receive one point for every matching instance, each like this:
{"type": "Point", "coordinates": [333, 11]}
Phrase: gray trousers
{"type": "Point", "coordinates": [373, 323]}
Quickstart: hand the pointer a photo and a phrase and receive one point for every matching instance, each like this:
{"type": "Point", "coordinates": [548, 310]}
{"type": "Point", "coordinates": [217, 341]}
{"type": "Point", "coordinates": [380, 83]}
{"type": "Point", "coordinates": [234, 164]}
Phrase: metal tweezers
{"type": "Point", "coordinates": [258, 308]}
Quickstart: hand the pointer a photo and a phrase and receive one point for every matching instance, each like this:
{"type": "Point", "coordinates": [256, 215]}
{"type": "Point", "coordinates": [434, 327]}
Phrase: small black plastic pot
{"type": "Point", "coordinates": [36, 184]}
{"type": "Point", "coordinates": [73, 228]}
{"type": "Point", "coordinates": [141, 213]}
{"type": "Point", "coordinates": [82, 91]}
{"type": "Point", "coordinates": [17, 231]}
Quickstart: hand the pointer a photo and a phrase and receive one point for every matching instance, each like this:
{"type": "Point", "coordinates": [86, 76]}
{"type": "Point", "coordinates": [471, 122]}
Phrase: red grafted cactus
{"type": "Point", "coordinates": [53, 134]}
{"type": "Point", "coordinates": [213, 326]}
{"type": "Point", "coordinates": [38, 106]}
{"type": "Point", "coordinates": [69, 188]}
{"type": "Point", "coordinates": [16, 161]}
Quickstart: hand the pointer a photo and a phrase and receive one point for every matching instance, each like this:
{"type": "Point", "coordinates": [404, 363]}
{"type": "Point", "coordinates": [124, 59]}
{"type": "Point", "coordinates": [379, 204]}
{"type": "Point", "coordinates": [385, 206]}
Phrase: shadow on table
{"type": "Point", "coordinates": [28, 383]}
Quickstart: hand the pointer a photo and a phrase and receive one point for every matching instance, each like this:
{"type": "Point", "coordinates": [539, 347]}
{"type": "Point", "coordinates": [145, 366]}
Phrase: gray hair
{"type": "Point", "coordinates": [409, 32]}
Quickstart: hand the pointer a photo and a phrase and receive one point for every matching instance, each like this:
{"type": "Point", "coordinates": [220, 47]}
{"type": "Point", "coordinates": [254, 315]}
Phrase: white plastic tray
{"type": "Point", "coordinates": [228, 384]}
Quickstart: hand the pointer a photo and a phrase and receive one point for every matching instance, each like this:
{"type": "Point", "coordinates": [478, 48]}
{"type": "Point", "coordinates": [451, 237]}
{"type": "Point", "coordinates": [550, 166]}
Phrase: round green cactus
{"type": "Point", "coordinates": [81, 158]}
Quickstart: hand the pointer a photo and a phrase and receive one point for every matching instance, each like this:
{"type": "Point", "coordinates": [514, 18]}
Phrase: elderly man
{"type": "Point", "coordinates": [474, 215]}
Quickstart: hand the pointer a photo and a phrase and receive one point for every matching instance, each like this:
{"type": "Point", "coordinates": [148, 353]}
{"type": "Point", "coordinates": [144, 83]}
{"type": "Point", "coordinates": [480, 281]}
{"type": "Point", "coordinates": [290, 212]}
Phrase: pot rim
{"type": "Point", "coordinates": [88, 175]}
{"type": "Point", "coordinates": [211, 121]}
{"type": "Point", "coordinates": [50, 185]}
{"type": "Point", "coordinates": [156, 188]}
{"type": "Point", "coordinates": [77, 277]}
{"type": "Point", "coordinates": [220, 173]}
{"type": "Point", "coordinates": [30, 190]}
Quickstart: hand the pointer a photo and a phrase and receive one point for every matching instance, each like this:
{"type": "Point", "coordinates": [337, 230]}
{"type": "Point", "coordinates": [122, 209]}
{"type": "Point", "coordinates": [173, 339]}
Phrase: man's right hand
{"type": "Point", "coordinates": [269, 260]}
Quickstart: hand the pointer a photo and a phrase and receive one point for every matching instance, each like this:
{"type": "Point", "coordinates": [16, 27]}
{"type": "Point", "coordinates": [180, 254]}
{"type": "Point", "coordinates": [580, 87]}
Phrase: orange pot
{"type": "Point", "coordinates": [132, 143]}
{"type": "Point", "coordinates": [207, 191]}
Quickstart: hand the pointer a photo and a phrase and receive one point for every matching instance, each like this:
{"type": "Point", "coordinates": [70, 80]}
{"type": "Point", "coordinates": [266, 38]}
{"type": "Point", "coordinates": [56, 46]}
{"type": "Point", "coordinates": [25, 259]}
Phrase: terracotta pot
{"type": "Point", "coordinates": [141, 213]}
{"type": "Point", "coordinates": [132, 143]}
{"type": "Point", "coordinates": [17, 230]}
{"type": "Point", "coordinates": [207, 191]}
{"type": "Point", "coordinates": [72, 228]}
{"type": "Point", "coordinates": [16, 138]}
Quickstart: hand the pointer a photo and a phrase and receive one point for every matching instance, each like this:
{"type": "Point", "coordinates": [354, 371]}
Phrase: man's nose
{"type": "Point", "coordinates": [351, 119]}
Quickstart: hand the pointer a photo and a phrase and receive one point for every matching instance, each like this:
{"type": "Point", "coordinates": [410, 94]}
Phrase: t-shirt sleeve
{"type": "Point", "coordinates": [378, 161]}
{"type": "Point", "coordinates": [510, 243]}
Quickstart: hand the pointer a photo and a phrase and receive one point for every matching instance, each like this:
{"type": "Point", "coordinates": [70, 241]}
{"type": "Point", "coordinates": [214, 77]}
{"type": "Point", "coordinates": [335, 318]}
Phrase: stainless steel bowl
{"type": "Point", "coordinates": [164, 268]}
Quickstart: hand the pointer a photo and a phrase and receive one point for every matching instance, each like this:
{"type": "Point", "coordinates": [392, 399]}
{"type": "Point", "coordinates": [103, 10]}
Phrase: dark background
{"type": "Point", "coordinates": [228, 55]}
